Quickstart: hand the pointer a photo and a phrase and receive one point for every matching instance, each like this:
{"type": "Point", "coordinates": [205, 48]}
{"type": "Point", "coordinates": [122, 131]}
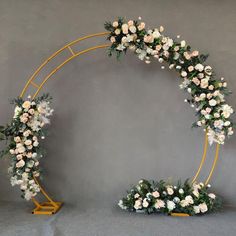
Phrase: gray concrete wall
{"type": "Point", "coordinates": [115, 122]}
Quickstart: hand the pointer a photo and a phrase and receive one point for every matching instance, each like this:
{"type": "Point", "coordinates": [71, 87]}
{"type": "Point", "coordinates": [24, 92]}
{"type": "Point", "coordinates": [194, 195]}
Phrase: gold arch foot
{"type": "Point", "coordinates": [49, 207]}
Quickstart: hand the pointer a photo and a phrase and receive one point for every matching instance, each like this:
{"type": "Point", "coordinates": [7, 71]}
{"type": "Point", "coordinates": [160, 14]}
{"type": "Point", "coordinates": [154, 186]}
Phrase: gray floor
{"type": "Point", "coordinates": [17, 220]}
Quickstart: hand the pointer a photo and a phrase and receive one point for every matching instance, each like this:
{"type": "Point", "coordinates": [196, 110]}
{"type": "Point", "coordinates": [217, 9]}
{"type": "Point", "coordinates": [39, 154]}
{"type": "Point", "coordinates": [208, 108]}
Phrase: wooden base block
{"type": "Point", "coordinates": [180, 214]}
{"type": "Point", "coordinates": [47, 208]}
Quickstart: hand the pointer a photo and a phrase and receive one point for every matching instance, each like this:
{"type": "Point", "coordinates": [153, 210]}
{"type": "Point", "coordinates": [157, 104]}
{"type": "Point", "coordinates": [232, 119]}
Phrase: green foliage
{"type": "Point", "coordinates": [150, 192]}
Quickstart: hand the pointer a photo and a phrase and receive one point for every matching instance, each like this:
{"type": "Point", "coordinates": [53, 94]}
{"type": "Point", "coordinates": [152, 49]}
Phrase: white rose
{"type": "Point", "coordinates": [212, 102]}
{"type": "Point", "coordinates": [199, 67]}
{"type": "Point", "coordinates": [184, 203]}
{"type": "Point", "coordinates": [212, 195]}
{"type": "Point", "coordinates": [17, 111]}
{"type": "Point", "coordinates": [189, 199]}
{"type": "Point", "coordinates": [203, 207]}
{"type": "Point", "coordinates": [170, 205]}
{"type": "Point", "coordinates": [145, 203]}
{"type": "Point", "coordinates": [182, 43]}
{"type": "Point", "coordinates": [115, 24]}
{"type": "Point", "coordinates": [170, 191]}
{"type": "Point", "coordinates": [141, 26]}
{"type": "Point", "coordinates": [26, 104]}
{"type": "Point", "coordinates": [28, 142]}
{"type": "Point", "coordinates": [138, 204]}
{"type": "Point", "coordinates": [21, 149]}
{"type": "Point", "coordinates": [227, 123]}
{"type": "Point", "coordinates": [208, 70]}
{"type": "Point", "coordinates": [227, 110]}
{"type": "Point", "coordinates": [218, 124]}
{"type": "Point", "coordinates": [156, 34]}
{"type": "Point", "coordinates": [20, 164]}
{"type": "Point", "coordinates": [112, 39]}
{"type": "Point", "coordinates": [156, 194]}
{"type": "Point", "coordinates": [117, 31]}
{"type": "Point", "coordinates": [159, 204]}
{"type": "Point", "coordinates": [184, 74]}
{"type": "Point", "coordinates": [17, 139]}
{"type": "Point", "coordinates": [132, 29]}
{"type": "Point", "coordinates": [181, 191]}
{"type": "Point", "coordinates": [136, 195]}
{"type": "Point", "coordinates": [204, 83]}
{"type": "Point", "coordinates": [196, 209]}
{"type": "Point", "coordinates": [125, 28]}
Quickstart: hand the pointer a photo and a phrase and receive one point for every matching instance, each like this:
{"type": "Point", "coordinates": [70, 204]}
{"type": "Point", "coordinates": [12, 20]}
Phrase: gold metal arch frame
{"type": "Point", "coordinates": [50, 206]}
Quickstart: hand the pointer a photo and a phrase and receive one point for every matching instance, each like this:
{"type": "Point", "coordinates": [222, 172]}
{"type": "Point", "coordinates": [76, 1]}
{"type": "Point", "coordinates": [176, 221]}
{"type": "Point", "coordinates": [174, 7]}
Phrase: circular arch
{"type": "Point", "coordinates": [51, 206]}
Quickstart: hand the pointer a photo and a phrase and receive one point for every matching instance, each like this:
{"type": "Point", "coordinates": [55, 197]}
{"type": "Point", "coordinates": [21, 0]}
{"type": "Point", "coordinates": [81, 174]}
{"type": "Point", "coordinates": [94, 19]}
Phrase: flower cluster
{"type": "Point", "coordinates": [24, 134]}
{"type": "Point", "coordinates": [207, 93]}
{"type": "Point", "coordinates": [161, 197]}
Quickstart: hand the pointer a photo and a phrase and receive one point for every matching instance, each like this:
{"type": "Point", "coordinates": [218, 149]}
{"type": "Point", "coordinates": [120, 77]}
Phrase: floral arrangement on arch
{"type": "Point", "coordinates": [161, 197]}
{"type": "Point", "coordinates": [23, 135]}
{"type": "Point", "coordinates": [207, 93]}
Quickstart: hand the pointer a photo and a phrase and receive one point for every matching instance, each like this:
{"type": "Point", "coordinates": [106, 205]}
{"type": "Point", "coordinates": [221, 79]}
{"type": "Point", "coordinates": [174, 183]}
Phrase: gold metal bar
{"type": "Point", "coordinates": [214, 163]}
{"type": "Point", "coordinates": [70, 49]}
{"type": "Point", "coordinates": [66, 61]}
{"type": "Point", "coordinates": [55, 54]}
{"type": "Point", "coordinates": [34, 84]}
{"type": "Point", "coordinates": [45, 194]}
{"type": "Point", "coordinates": [203, 158]}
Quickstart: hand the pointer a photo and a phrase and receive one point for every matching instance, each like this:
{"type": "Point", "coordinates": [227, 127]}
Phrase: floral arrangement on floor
{"type": "Point", "coordinates": [161, 197]}
{"type": "Point", "coordinates": [207, 93]}
{"type": "Point", "coordinates": [23, 135]}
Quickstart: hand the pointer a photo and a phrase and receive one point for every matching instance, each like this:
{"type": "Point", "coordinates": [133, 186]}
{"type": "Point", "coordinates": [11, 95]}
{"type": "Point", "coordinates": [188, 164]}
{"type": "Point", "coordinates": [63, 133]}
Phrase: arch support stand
{"type": "Point", "coordinates": [48, 207]}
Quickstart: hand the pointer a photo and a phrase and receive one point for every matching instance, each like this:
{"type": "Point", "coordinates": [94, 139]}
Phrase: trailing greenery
{"type": "Point", "coordinates": [22, 137]}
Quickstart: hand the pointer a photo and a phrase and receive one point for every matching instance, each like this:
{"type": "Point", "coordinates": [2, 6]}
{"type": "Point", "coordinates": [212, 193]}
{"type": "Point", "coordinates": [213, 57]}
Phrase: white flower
{"type": "Point", "coordinates": [159, 204]}
{"type": "Point", "coordinates": [212, 195]}
{"type": "Point", "coordinates": [26, 104]}
{"type": "Point", "coordinates": [184, 74]}
{"type": "Point", "coordinates": [132, 29]}
{"type": "Point", "coordinates": [156, 34]}
{"type": "Point", "coordinates": [17, 111]}
{"type": "Point", "coordinates": [195, 193]}
{"type": "Point", "coordinates": [208, 70]}
{"type": "Point", "coordinates": [184, 203]}
{"type": "Point", "coordinates": [196, 209]}
{"type": "Point", "coordinates": [219, 124]}
{"type": "Point", "coordinates": [115, 24]}
{"type": "Point", "coordinates": [136, 195]}
{"type": "Point", "coordinates": [226, 110]}
{"type": "Point", "coordinates": [17, 139]}
{"type": "Point", "coordinates": [145, 203]}
{"type": "Point", "coordinates": [203, 207]}
{"type": "Point", "coordinates": [156, 194]}
{"type": "Point", "coordinates": [112, 39]}
{"type": "Point", "coordinates": [141, 26]}
{"type": "Point", "coordinates": [20, 164]}
{"type": "Point", "coordinates": [21, 149]}
{"type": "Point", "coordinates": [117, 31]}
{"type": "Point", "coordinates": [28, 142]}
{"type": "Point", "coordinates": [125, 28]}
{"type": "Point", "coordinates": [170, 205]}
{"type": "Point", "coordinates": [176, 200]}
{"type": "Point", "coordinates": [212, 102]}
{"type": "Point", "coordinates": [36, 143]}
{"type": "Point", "coordinates": [199, 67]}
{"type": "Point", "coordinates": [204, 83]}
{"type": "Point", "coordinates": [182, 43]}
{"type": "Point", "coordinates": [181, 191]}
{"type": "Point", "coordinates": [170, 191]}
{"type": "Point", "coordinates": [138, 204]}
{"type": "Point", "coordinates": [189, 199]}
